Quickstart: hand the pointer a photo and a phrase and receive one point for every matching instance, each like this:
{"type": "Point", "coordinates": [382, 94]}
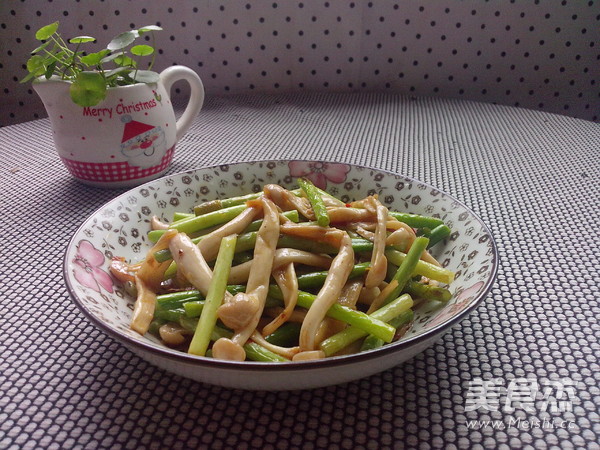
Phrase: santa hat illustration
{"type": "Point", "coordinates": [133, 128]}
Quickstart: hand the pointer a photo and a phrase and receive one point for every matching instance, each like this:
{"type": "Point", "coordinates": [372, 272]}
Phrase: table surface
{"type": "Point", "coordinates": [532, 177]}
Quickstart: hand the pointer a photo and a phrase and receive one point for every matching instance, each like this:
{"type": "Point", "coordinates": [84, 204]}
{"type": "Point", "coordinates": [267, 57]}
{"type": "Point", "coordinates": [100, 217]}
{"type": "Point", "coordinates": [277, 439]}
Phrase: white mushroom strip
{"type": "Point", "coordinates": [283, 351]}
{"type": "Point", "coordinates": [309, 355]}
{"type": "Point", "coordinates": [297, 315]}
{"type": "Point", "coordinates": [288, 283]}
{"type": "Point", "coordinates": [395, 224]}
{"type": "Point", "coordinates": [343, 214]}
{"type": "Point", "coordinates": [404, 237]}
{"type": "Point", "coordinates": [191, 262]}
{"type": "Point", "coordinates": [209, 244]}
{"type": "Point", "coordinates": [367, 296]}
{"type": "Point", "coordinates": [401, 238]}
{"type": "Point", "coordinates": [239, 274]}
{"type": "Point", "coordinates": [337, 276]}
{"type": "Point", "coordinates": [287, 201]}
{"type": "Point", "coordinates": [331, 201]}
{"type": "Point", "coordinates": [351, 293]}
{"type": "Point", "coordinates": [327, 235]}
{"type": "Point", "coordinates": [143, 310]}
{"type": "Point", "coordinates": [363, 232]}
{"type": "Point", "coordinates": [427, 257]}
{"type": "Point", "coordinates": [151, 272]}
{"type": "Point", "coordinates": [123, 271]}
{"type": "Point", "coordinates": [328, 327]}
{"type": "Point", "coordinates": [378, 270]}
{"type": "Point", "coordinates": [369, 203]}
{"type": "Point", "coordinates": [157, 224]}
{"type": "Point", "coordinates": [228, 350]}
{"type": "Point", "coordinates": [283, 256]}
{"type": "Point", "coordinates": [258, 282]}
{"type": "Point", "coordinates": [385, 292]}
{"type": "Point", "coordinates": [368, 226]}
{"type": "Point", "coordinates": [429, 281]}
{"type": "Point", "coordinates": [172, 334]}
{"type": "Point", "coordinates": [238, 311]}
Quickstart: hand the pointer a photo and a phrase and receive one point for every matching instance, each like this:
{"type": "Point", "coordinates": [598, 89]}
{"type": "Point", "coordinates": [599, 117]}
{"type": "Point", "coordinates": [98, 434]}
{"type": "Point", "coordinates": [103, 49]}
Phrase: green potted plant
{"type": "Point", "coordinates": [112, 118]}
{"type": "Point", "coordinates": [90, 74]}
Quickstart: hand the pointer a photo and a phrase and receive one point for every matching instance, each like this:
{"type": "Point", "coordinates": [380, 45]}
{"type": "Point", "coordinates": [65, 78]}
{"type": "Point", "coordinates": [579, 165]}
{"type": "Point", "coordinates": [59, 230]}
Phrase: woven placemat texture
{"type": "Point", "coordinates": [533, 177]}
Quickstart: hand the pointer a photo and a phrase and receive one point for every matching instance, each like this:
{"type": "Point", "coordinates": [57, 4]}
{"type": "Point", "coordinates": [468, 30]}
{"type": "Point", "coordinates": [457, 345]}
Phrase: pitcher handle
{"type": "Point", "coordinates": [175, 73]}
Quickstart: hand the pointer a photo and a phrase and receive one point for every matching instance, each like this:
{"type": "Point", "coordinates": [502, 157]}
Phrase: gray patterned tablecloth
{"type": "Point", "coordinates": [533, 177]}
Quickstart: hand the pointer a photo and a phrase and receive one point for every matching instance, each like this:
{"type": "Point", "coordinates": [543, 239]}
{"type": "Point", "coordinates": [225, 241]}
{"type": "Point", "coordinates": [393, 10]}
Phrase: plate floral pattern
{"type": "Point", "coordinates": [119, 229]}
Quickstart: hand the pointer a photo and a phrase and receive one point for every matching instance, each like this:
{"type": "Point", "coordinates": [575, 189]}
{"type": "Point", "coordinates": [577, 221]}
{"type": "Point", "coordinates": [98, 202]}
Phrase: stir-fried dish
{"type": "Point", "coordinates": [285, 275]}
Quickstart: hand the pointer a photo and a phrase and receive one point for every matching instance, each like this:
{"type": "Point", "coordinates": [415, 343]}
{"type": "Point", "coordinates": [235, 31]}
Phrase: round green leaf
{"type": "Point", "coordinates": [122, 40]}
{"type": "Point", "coordinates": [50, 70]}
{"type": "Point", "coordinates": [141, 50]}
{"type": "Point", "coordinates": [88, 89]}
{"type": "Point", "coordinates": [125, 61]}
{"type": "Point", "coordinates": [117, 71]}
{"type": "Point", "coordinates": [146, 76]}
{"type": "Point", "coordinates": [41, 47]}
{"type": "Point", "coordinates": [149, 28]}
{"type": "Point", "coordinates": [45, 32]}
{"type": "Point", "coordinates": [36, 65]}
{"type": "Point", "coordinates": [93, 59]}
{"type": "Point", "coordinates": [110, 58]}
{"type": "Point", "coordinates": [82, 39]}
{"type": "Point", "coordinates": [27, 78]}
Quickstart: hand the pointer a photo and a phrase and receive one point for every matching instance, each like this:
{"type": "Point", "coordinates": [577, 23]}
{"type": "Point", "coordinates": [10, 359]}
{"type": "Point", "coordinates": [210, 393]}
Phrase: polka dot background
{"type": "Point", "coordinates": [533, 54]}
{"type": "Point", "coordinates": [532, 176]}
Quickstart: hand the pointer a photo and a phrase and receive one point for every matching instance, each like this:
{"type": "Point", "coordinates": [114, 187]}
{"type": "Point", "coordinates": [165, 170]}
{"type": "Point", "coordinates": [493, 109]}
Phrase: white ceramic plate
{"type": "Point", "coordinates": [119, 229]}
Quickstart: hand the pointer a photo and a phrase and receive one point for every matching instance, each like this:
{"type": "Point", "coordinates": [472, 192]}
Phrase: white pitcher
{"type": "Point", "coordinates": [128, 138]}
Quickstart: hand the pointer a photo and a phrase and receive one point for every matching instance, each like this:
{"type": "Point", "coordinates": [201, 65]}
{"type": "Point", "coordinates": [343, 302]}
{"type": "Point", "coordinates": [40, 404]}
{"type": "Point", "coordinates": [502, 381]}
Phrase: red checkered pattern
{"type": "Point", "coordinates": [117, 171]}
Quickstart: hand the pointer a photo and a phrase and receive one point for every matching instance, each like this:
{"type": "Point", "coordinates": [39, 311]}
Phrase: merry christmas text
{"type": "Point", "coordinates": [121, 108]}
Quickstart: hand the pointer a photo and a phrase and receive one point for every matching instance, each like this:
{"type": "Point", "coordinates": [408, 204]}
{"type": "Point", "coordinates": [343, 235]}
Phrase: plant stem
{"type": "Point", "coordinates": [198, 223]}
{"type": "Point", "coordinates": [422, 268]}
{"type": "Point", "coordinates": [338, 341]}
{"type": "Point", "coordinates": [316, 279]}
{"type": "Point", "coordinates": [256, 352]}
{"type": "Point", "coordinates": [427, 292]}
{"type": "Point", "coordinates": [214, 297]}
{"type": "Point", "coordinates": [371, 342]}
{"type": "Point", "coordinates": [416, 220]}
{"type": "Point", "coordinates": [437, 234]}
{"type": "Point", "coordinates": [406, 269]}
{"type": "Point", "coordinates": [370, 324]}
{"type": "Point", "coordinates": [316, 201]}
